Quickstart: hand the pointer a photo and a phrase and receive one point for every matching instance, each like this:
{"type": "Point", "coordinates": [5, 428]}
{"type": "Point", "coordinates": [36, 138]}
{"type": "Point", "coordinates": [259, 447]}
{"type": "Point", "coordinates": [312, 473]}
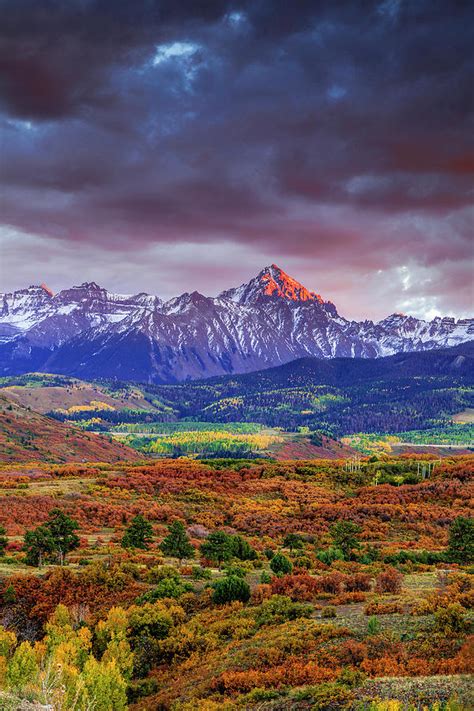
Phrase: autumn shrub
{"type": "Point", "coordinates": [302, 562]}
{"type": "Point", "coordinates": [292, 672]}
{"type": "Point", "coordinates": [382, 666]}
{"type": "Point", "coordinates": [389, 581]}
{"type": "Point", "coordinates": [461, 589]}
{"type": "Point", "coordinates": [279, 609]}
{"type": "Point", "coordinates": [331, 695]}
{"type": "Point", "coordinates": [300, 587]}
{"type": "Point", "coordinates": [153, 620]}
{"type": "Point", "coordinates": [383, 608]}
{"type": "Point", "coordinates": [329, 612]}
{"type": "Point", "coordinates": [260, 593]}
{"type": "Point", "coordinates": [162, 572]}
{"type": "Point", "coordinates": [349, 598]}
{"type": "Point", "coordinates": [359, 582]}
{"type": "Point", "coordinates": [353, 678]}
{"type": "Point", "coordinates": [331, 583]}
{"type": "Point", "coordinates": [351, 652]}
{"type": "Point", "coordinates": [451, 620]}
{"type": "Point", "coordinates": [426, 606]}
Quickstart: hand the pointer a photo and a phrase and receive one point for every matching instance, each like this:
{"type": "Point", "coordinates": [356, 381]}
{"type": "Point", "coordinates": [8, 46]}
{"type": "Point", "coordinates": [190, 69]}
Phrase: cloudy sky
{"type": "Point", "coordinates": [167, 146]}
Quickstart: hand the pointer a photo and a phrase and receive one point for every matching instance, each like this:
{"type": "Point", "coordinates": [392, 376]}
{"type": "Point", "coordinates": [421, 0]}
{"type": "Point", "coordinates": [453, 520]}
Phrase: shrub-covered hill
{"type": "Point", "coordinates": [26, 435]}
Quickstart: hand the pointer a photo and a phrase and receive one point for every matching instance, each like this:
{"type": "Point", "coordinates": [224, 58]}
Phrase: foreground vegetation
{"type": "Point", "coordinates": [237, 584]}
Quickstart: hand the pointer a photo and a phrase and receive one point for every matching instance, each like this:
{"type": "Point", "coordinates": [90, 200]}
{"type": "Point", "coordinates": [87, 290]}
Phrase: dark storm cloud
{"type": "Point", "coordinates": [340, 131]}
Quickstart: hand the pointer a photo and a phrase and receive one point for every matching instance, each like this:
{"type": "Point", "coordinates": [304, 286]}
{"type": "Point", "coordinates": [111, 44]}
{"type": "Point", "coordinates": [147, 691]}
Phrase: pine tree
{"type": "Point", "coordinates": [217, 547]}
{"type": "Point", "coordinates": [37, 545]}
{"type": "Point", "coordinates": [292, 540]}
{"type": "Point", "coordinates": [139, 533]}
{"type": "Point", "coordinates": [345, 536]}
{"type": "Point", "coordinates": [241, 549]}
{"type": "Point", "coordinates": [62, 528]}
{"type": "Point", "coordinates": [176, 544]}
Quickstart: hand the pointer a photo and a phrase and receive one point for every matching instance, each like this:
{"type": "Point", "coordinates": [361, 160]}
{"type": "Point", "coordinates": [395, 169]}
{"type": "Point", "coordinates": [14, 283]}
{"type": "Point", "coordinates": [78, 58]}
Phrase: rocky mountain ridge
{"type": "Point", "coordinates": [89, 332]}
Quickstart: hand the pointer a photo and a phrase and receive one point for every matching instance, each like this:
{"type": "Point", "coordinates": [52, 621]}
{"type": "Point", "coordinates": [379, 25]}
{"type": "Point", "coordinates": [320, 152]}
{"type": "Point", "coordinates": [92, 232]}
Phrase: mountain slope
{"type": "Point", "coordinates": [26, 436]}
{"type": "Point", "coordinates": [90, 333]}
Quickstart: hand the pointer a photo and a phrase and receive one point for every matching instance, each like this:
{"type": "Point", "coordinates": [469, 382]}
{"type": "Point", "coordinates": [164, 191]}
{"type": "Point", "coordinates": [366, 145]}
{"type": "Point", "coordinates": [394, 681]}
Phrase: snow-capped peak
{"type": "Point", "coordinates": [46, 288]}
{"type": "Point", "coordinates": [271, 282]}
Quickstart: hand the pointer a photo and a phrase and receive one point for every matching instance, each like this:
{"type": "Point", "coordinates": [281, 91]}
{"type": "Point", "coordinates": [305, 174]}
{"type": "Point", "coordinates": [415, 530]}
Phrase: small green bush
{"type": "Point", "coordinates": [234, 570]}
{"type": "Point", "coordinates": [169, 587]}
{"type": "Point", "coordinates": [199, 573]}
{"type": "Point", "coordinates": [330, 555]}
{"type": "Point", "coordinates": [373, 625]}
{"type": "Point", "coordinates": [260, 694]}
{"type": "Point", "coordinates": [229, 589]}
{"type": "Point", "coordinates": [280, 564]}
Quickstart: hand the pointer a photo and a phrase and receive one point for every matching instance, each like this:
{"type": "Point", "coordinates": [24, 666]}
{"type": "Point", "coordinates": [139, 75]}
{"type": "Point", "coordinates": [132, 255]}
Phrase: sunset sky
{"type": "Point", "coordinates": [171, 146]}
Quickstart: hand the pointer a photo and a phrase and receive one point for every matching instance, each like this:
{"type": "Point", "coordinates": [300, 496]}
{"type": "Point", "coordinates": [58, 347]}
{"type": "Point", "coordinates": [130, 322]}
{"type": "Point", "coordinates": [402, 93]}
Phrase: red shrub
{"type": "Point", "coordinates": [301, 587]}
{"type": "Point", "coordinates": [390, 581]}
{"type": "Point", "coordinates": [331, 583]}
{"type": "Point", "coordinates": [359, 582]}
{"type": "Point", "coordinates": [383, 608]}
{"type": "Point", "coordinates": [349, 598]}
{"type": "Point", "coordinates": [260, 593]}
{"type": "Point", "coordinates": [351, 652]}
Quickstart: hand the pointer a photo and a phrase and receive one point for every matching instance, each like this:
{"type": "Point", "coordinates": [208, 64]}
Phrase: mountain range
{"type": "Point", "coordinates": [89, 332]}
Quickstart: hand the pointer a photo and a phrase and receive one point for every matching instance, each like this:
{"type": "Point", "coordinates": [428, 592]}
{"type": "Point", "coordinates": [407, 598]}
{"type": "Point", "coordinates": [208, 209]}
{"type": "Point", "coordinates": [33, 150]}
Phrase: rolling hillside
{"type": "Point", "coordinates": [73, 399]}
{"type": "Point", "coordinates": [26, 436]}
